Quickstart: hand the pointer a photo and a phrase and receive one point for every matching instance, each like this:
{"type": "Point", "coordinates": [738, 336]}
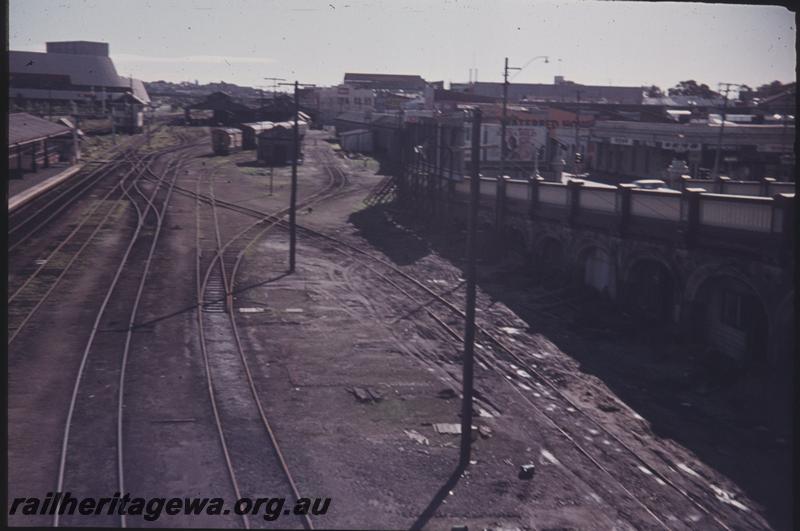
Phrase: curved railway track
{"type": "Point", "coordinates": [653, 482]}
{"type": "Point", "coordinates": [226, 369]}
{"type": "Point", "coordinates": [88, 437]}
{"type": "Point", "coordinates": [28, 219]}
{"type": "Point", "coordinates": [28, 294]}
{"type": "Point", "coordinates": [659, 487]}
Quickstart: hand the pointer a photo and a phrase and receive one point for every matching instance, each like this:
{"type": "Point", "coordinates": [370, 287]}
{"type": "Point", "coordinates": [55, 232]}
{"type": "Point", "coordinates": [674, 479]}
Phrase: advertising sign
{"type": "Point", "coordinates": [521, 141]}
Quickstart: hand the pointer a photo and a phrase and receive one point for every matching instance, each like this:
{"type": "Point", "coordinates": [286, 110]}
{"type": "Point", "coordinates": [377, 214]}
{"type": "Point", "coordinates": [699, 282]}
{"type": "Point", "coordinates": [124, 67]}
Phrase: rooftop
{"type": "Point", "coordinates": [387, 81]}
{"type": "Point", "coordinates": [24, 128]}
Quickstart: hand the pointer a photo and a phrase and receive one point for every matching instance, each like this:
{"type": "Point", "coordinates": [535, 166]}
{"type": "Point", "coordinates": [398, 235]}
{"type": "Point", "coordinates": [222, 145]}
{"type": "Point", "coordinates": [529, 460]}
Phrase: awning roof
{"type": "Point", "coordinates": [24, 128]}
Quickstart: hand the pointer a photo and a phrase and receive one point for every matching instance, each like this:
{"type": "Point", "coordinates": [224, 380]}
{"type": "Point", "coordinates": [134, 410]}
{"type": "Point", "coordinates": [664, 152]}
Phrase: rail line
{"type": "Point", "coordinates": [229, 258]}
{"type": "Point", "coordinates": [665, 475]}
{"type": "Point", "coordinates": [176, 165]}
{"type": "Point", "coordinates": [52, 202]}
{"type": "Point", "coordinates": [87, 470]}
{"type": "Point", "coordinates": [569, 429]}
{"type": "Point", "coordinates": [27, 298]}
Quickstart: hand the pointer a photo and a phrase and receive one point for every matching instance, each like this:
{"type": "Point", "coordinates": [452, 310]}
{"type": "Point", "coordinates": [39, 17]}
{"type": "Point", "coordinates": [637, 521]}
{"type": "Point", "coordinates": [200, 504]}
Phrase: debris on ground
{"type": "Point", "coordinates": [417, 437]}
{"type": "Point", "coordinates": [526, 471]}
{"type": "Point", "coordinates": [447, 394]}
{"type": "Point", "coordinates": [366, 395]}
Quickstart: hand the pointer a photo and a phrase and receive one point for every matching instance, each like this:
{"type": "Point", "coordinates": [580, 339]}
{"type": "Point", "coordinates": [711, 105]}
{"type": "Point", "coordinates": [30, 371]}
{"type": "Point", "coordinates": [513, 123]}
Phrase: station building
{"type": "Point", "coordinates": [35, 143]}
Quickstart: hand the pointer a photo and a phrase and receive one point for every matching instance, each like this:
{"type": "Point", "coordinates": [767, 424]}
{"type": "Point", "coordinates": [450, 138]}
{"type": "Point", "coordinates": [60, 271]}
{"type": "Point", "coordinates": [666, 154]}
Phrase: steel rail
{"type": "Point", "coordinates": [672, 484]}
{"type": "Point", "coordinates": [63, 190]}
{"type": "Point", "coordinates": [90, 341]}
{"type": "Point", "coordinates": [333, 184]}
{"type": "Point", "coordinates": [78, 253]}
{"type": "Point", "coordinates": [69, 264]}
{"type": "Point", "coordinates": [201, 288]}
{"type": "Point", "coordinates": [176, 165]}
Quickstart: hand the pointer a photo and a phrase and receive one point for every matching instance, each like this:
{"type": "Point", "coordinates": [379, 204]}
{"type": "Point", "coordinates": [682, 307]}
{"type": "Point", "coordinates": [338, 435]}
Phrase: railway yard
{"type": "Point", "coordinates": [158, 346]}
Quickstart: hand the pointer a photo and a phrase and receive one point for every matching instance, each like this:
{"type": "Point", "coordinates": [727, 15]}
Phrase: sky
{"type": "Point", "coordinates": [590, 42]}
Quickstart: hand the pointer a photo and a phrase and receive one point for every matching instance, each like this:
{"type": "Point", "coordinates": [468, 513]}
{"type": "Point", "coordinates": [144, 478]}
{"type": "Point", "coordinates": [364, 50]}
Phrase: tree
{"type": "Point", "coordinates": [654, 92]}
{"type": "Point", "coordinates": [691, 88]}
{"type": "Point", "coordinates": [770, 89]}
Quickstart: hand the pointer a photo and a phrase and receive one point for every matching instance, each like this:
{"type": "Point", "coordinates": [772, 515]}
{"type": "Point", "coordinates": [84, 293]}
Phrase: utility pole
{"type": "Point", "coordinates": [293, 194]}
{"type": "Point", "coordinates": [113, 115]}
{"type": "Point", "coordinates": [275, 84]}
{"type": "Point", "coordinates": [727, 86]}
{"type": "Point", "coordinates": [505, 106]}
{"type": "Point", "coordinates": [293, 205]}
{"type": "Point", "coordinates": [503, 119]}
{"type": "Point", "coordinates": [469, 326]}
{"type": "Point", "coordinates": [577, 134]}
{"type": "Point", "coordinates": [133, 108]}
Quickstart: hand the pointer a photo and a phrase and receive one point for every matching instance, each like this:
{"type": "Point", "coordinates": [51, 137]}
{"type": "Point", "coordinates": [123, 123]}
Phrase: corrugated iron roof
{"type": "Point", "coordinates": [85, 70]}
{"type": "Point", "coordinates": [24, 127]}
{"type": "Point", "coordinates": [258, 126]}
{"type": "Point", "coordinates": [138, 88]}
{"type": "Point", "coordinates": [555, 92]}
{"type": "Point", "coordinates": [396, 81]}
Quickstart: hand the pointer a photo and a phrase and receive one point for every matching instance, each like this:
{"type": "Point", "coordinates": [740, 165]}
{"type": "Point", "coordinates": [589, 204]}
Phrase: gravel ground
{"type": "Point", "coordinates": [353, 375]}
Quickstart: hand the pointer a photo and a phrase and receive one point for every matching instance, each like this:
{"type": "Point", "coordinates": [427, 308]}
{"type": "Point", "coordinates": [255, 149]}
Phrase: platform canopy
{"type": "Point", "coordinates": [24, 128]}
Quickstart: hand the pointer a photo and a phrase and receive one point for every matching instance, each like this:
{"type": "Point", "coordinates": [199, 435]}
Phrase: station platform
{"type": "Point", "coordinates": [20, 191]}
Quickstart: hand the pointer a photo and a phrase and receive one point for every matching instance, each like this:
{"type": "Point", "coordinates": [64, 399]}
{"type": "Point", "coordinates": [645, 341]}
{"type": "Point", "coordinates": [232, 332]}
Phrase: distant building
{"type": "Point", "coordinates": [644, 150]}
{"type": "Point", "coordinates": [77, 71]}
{"type": "Point", "coordinates": [412, 83]}
{"type": "Point", "coordinates": [782, 103]}
{"type": "Point", "coordinates": [559, 91]}
{"type": "Point", "coordinates": [333, 101]}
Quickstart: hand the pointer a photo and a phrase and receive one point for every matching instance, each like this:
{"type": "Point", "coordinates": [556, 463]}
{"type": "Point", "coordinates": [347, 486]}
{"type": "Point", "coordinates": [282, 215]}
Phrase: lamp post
{"type": "Point", "coordinates": [505, 107]}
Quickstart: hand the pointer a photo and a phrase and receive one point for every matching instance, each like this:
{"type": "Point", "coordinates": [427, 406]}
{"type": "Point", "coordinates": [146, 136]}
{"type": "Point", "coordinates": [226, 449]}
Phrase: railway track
{"type": "Point", "coordinates": [659, 487]}
{"type": "Point", "coordinates": [33, 281]}
{"type": "Point", "coordinates": [92, 458]}
{"type": "Point", "coordinates": [658, 490]}
{"type": "Point", "coordinates": [30, 218]}
{"type": "Point", "coordinates": [241, 420]}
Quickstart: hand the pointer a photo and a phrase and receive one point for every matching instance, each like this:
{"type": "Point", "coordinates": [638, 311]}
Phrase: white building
{"type": "Point", "coordinates": [333, 101]}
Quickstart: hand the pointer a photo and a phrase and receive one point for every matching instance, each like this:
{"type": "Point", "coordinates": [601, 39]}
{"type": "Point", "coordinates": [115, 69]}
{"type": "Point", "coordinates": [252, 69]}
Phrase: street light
{"type": "Point", "coordinates": [505, 106]}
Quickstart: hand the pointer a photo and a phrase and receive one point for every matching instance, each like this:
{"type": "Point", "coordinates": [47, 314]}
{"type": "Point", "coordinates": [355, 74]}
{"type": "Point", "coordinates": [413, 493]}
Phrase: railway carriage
{"type": "Point", "coordinates": [226, 140]}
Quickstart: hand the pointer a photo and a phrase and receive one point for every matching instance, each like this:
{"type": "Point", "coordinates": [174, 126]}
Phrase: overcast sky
{"type": "Point", "coordinates": [591, 42]}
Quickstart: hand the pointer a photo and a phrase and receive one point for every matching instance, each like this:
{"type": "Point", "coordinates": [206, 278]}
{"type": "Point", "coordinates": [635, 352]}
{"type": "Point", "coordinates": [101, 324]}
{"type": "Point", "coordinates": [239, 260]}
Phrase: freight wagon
{"type": "Point", "coordinates": [225, 140]}
{"type": "Point", "coordinates": [250, 133]}
{"type": "Point", "coordinates": [276, 143]}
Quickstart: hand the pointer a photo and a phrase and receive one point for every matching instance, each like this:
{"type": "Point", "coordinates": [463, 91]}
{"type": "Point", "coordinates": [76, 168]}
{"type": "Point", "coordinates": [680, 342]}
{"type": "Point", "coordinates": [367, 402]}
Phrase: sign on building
{"type": "Point", "coordinates": [521, 141]}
